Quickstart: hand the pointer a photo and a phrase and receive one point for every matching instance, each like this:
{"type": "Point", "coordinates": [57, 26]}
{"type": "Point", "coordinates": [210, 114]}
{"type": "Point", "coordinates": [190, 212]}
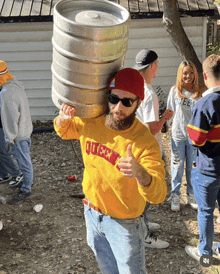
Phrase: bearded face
{"type": "Point", "coordinates": [119, 121]}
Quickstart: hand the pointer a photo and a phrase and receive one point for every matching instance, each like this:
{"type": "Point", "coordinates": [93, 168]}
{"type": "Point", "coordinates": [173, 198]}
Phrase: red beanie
{"type": "Point", "coordinates": [130, 80]}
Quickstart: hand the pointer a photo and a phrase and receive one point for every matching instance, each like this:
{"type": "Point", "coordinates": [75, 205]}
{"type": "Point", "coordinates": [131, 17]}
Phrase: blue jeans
{"type": "Point", "coordinates": [206, 191]}
{"type": "Point", "coordinates": [8, 165]}
{"type": "Point", "coordinates": [118, 244]}
{"type": "Point", "coordinates": [181, 151]}
{"type": "Point", "coordinates": [21, 151]}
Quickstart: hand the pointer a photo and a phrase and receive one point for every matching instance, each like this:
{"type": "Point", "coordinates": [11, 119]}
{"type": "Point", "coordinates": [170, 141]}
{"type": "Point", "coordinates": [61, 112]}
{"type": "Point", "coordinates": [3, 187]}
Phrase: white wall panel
{"type": "Point", "coordinates": [27, 48]}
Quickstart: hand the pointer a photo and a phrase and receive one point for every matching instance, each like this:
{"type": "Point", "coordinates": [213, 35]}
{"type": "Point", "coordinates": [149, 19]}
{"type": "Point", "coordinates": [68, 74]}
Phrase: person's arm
{"type": "Point", "coordinates": [202, 129]}
{"type": "Point", "coordinates": [10, 113]}
{"type": "Point", "coordinates": [201, 132]}
{"type": "Point", "coordinates": [171, 104]}
{"type": "Point", "coordinates": [198, 127]}
{"type": "Point", "coordinates": [156, 126]}
{"type": "Point", "coordinates": [147, 167]}
{"type": "Point", "coordinates": [65, 124]}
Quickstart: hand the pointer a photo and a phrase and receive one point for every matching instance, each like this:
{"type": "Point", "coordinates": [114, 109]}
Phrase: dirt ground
{"type": "Point", "coordinates": [54, 239]}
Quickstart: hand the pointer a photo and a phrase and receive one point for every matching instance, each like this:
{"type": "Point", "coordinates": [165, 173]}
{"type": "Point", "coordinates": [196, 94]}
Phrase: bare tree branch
{"type": "Point", "coordinates": [173, 25]}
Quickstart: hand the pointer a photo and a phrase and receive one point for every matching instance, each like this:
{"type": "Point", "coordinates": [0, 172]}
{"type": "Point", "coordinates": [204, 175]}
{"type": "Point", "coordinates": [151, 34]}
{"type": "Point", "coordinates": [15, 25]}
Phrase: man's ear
{"type": "Point", "coordinates": [205, 76]}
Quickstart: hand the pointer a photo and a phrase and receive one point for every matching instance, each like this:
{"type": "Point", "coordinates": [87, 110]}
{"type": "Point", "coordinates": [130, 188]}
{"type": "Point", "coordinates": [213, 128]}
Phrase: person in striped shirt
{"type": "Point", "coordinates": [204, 133]}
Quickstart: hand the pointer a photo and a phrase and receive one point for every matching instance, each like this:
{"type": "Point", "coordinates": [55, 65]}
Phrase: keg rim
{"type": "Point", "coordinates": [123, 9]}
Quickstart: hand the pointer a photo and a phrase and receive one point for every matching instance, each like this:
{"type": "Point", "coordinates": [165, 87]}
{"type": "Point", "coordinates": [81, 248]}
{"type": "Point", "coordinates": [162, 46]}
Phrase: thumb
{"type": "Point", "coordinates": [129, 151]}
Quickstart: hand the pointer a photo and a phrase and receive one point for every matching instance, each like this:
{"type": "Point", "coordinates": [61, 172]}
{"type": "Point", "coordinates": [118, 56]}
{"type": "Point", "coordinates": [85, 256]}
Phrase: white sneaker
{"type": "Point", "coordinates": [151, 241]}
{"type": "Point", "coordinates": [5, 179]}
{"type": "Point", "coordinates": [193, 251]}
{"type": "Point", "coordinates": [192, 201]}
{"type": "Point", "coordinates": [153, 226]}
{"type": "Point", "coordinates": [175, 203]}
{"type": "Point", "coordinates": [16, 181]}
{"type": "Point", "coordinates": [215, 249]}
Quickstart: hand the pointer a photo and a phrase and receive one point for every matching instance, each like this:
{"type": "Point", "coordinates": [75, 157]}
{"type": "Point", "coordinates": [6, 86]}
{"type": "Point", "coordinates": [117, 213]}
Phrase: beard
{"type": "Point", "coordinates": [119, 123]}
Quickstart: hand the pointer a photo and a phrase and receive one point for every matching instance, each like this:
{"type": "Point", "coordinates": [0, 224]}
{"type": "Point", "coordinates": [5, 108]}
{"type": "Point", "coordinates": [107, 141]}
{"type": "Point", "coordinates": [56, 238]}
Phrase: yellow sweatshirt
{"type": "Point", "coordinates": [103, 183]}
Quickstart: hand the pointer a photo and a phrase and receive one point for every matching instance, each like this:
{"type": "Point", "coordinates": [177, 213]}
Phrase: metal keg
{"type": "Point", "coordinates": [89, 45]}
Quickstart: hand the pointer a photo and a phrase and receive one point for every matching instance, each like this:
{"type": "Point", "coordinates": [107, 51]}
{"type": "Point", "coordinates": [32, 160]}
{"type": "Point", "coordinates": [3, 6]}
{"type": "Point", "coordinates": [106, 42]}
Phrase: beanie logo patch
{"type": "Point", "coordinates": [112, 85]}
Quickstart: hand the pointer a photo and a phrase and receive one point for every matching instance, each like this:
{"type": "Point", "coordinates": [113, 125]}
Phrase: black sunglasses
{"type": "Point", "coordinates": [126, 102]}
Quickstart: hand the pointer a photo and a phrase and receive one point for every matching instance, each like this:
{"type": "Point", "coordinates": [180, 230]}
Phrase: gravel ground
{"type": "Point", "coordinates": [54, 239]}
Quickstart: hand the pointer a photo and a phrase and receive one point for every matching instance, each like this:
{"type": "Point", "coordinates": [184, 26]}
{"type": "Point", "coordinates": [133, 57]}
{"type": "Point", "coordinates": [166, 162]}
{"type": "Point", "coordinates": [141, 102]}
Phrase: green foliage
{"type": "Point", "coordinates": [217, 2]}
{"type": "Point", "coordinates": [214, 49]}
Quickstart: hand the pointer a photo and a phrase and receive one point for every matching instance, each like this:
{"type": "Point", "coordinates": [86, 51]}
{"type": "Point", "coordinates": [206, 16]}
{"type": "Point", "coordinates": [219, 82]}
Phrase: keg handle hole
{"type": "Point", "coordinates": [92, 15]}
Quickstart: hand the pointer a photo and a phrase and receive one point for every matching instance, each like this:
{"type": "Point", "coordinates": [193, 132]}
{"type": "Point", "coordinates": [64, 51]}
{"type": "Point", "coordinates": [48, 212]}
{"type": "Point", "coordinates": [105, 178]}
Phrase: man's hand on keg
{"type": "Point", "coordinates": [67, 112]}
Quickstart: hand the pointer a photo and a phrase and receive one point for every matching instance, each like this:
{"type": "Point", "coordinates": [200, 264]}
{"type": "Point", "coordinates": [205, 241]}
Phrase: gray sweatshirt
{"type": "Point", "coordinates": [15, 112]}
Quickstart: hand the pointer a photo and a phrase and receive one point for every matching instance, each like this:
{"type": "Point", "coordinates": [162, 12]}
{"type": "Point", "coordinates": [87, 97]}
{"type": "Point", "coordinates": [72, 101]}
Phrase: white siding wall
{"type": "Point", "coordinates": [27, 49]}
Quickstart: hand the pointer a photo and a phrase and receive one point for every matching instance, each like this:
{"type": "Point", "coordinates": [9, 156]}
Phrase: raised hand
{"type": "Point", "coordinates": [67, 112]}
{"type": "Point", "coordinates": [168, 114]}
{"type": "Point", "coordinates": [128, 166]}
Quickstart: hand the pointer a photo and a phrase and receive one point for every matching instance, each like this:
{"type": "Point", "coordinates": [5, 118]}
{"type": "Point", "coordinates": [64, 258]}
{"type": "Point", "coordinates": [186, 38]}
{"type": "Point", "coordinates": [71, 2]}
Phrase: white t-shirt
{"type": "Point", "coordinates": [182, 109]}
{"type": "Point", "coordinates": [149, 110]}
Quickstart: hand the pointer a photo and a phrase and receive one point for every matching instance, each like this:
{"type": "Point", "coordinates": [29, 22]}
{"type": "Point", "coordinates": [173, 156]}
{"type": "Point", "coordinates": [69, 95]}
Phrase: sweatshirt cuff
{"type": "Point", "coordinates": [65, 124]}
{"type": "Point", "coordinates": [143, 189]}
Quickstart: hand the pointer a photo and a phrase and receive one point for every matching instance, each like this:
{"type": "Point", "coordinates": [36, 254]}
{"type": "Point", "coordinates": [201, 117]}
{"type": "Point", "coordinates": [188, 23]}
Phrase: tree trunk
{"type": "Point", "coordinates": [173, 25]}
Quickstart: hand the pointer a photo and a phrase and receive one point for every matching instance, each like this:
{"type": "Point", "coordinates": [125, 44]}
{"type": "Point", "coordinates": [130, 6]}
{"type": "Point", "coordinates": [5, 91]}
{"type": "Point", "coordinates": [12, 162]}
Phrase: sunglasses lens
{"type": "Point", "coordinates": [127, 102]}
{"type": "Point", "coordinates": [113, 99]}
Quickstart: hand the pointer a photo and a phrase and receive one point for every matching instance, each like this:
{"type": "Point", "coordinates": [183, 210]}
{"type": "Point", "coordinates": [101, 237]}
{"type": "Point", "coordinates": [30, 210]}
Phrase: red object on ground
{"type": "Point", "coordinates": [72, 178]}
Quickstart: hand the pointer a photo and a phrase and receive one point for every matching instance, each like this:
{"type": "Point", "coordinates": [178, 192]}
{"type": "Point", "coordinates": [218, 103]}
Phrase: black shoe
{"type": "Point", "coordinates": [5, 179]}
{"type": "Point", "coordinates": [19, 198]}
{"type": "Point", "coordinates": [16, 181]}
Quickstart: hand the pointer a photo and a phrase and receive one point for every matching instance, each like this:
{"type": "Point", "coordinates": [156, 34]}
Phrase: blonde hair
{"type": "Point", "coordinates": [5, 75]}
{"type": "Point", "coordinates": [212, 66]}
{"type": "Point", "coordinates": [179, 83]}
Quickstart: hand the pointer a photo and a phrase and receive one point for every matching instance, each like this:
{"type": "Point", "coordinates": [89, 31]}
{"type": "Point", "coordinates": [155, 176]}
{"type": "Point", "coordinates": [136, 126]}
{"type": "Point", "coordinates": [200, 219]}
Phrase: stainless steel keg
{"type": "Point", "coordinates": [89, 45]}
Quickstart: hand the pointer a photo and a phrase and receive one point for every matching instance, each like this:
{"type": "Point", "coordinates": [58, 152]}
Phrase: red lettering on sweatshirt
{"type": "Point", "coordinates": [88, 147]}
{"type": "Point", "coordinates": [107, 154]}
{"type": "Point", "coordinates": [114, 157]}
{"type": "Point", "coordinates": [94, 148]}
{"type": "Point", "coordinates": [118, 167]}
{"type": "Point", "coordinates": [102, 151]}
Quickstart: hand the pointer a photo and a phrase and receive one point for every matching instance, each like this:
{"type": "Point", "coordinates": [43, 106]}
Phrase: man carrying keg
{"type": "Point", "coordinates": [122, 173]}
